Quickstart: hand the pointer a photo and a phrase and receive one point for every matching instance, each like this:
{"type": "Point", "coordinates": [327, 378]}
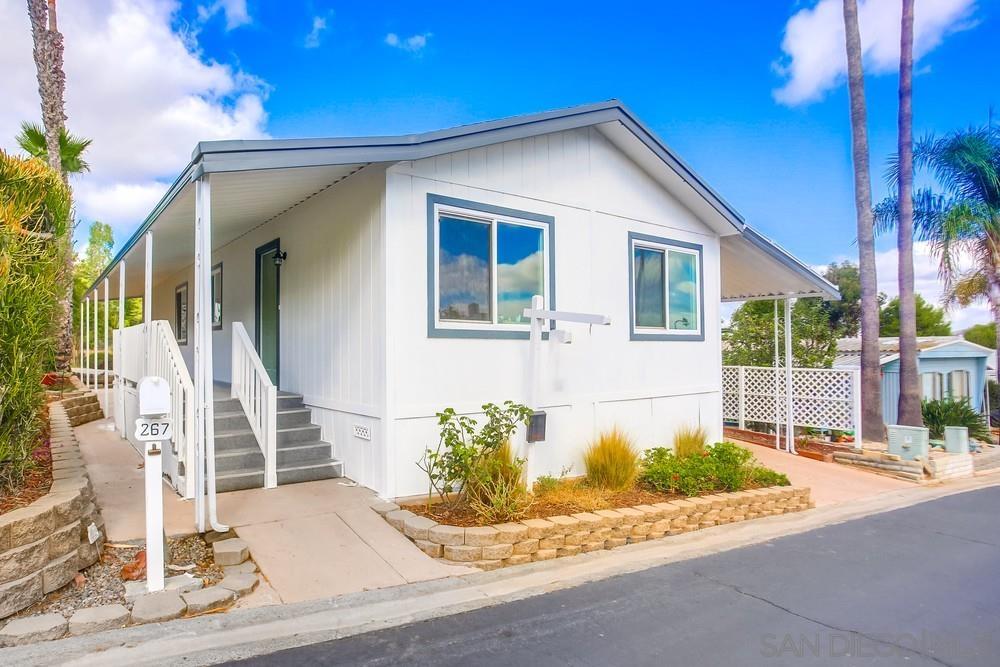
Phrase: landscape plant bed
{"type": "Point", "coordinates": [812, 449]}
{"type": "Point", "coordinates": [36, 482]}
{"type": "Point", "coordinates": [533, 539]}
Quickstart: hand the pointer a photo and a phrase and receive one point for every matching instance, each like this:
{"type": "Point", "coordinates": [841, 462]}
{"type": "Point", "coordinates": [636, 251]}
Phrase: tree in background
{"type": "Point", "coordinates": [33, 141]}
{"type": "Point", "coordinates": [871, 372]}
{"type": "Point", "coordinates": [909, 381]}
{"type": "Point", "coordinates": [982, 334]}
{"type": "Point", "coordinates": [89, 264]}
{"type": "Point", "coordinates": [930, 320]}
{"type": "Point", "coordinates": [749, 339]}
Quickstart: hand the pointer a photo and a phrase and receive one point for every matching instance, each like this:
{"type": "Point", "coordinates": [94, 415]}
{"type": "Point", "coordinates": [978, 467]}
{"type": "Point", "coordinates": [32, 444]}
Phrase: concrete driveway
{"type": "Point", "coordinates": [831, 483]}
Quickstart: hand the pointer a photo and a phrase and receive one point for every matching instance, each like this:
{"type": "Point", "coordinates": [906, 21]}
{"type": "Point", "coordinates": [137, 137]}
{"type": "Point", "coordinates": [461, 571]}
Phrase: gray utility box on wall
{"type": "Point", "coordinates": [909, 442]}
{"type": "Point", "coordinates": [956, 439]}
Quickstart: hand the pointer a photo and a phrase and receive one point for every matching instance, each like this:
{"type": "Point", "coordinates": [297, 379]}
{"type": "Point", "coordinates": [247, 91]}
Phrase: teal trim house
{"type": "Point", "coordinates": [949, 367]}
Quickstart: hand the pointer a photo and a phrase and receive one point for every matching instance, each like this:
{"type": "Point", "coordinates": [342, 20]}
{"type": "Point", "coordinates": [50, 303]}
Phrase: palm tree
{"type": "Point", "coordinates": [909, 382]}
{"type": "Point", "coordinates": [33, 142]}
{"type": "Point", "coordinates": [962, 221]}
{"type": "Point", "coordinates": [48, 54]}
{"type": "Point", "coordinates": [872, 426]}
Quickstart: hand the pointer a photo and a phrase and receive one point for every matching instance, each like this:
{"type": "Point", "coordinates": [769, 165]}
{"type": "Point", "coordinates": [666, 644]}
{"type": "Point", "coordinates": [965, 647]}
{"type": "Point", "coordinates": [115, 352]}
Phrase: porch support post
{"type": "Point", "coordinates": [97, 316]}
{"type": "Point", "coordinates": [789, 361]}
{"type": "Point", "coordinates": [85, 333]}
{"type": "Point", "coordinates": [81, 326]}
{"type": "Point", "coordinates": [147, 293]}
{"type": "Point", "coordinates": [107, 366]}
{"type": "Point", "coordinates": [777, 419]}
{"type": "Point", "coordinates": [204, 390]}
{"type": "Point", "coordinates": [119, 382]}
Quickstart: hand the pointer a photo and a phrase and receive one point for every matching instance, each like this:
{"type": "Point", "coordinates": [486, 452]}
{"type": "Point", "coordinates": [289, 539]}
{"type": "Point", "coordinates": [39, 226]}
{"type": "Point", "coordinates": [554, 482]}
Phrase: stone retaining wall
{"type": "Point", "coordinates": [943, 465]}
{"type": "Point", "coordinates": [44, 545]}
{"type": "Point", "coordinates": [500, 545]}
{"type": "Point", "coordinates": [890, 464]}
{"type": "Point", "coordinates": [988, 459]}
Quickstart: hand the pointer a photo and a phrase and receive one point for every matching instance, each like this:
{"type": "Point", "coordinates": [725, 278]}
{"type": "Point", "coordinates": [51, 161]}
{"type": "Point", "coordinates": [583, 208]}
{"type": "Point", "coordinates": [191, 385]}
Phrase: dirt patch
{"type": "Point", "coordinates": [37, 479]}
{"type": "Point", "coordinates": [102, 583]}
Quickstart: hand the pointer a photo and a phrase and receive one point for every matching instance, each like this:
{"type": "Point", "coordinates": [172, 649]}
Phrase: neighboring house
{"type": "Point", "coordinates": [384, 279]}
{"type": "Point", "coordinates": [949, 367]}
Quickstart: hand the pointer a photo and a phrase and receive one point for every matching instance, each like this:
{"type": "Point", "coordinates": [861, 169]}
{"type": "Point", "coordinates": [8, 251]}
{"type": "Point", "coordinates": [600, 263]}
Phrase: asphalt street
{"type": "Point", "coordinates": [915, 586]}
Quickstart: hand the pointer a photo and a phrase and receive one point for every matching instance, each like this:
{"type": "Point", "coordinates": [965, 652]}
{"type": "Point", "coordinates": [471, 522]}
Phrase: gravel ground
{"type": "Point", "coordinates": [104, 583]}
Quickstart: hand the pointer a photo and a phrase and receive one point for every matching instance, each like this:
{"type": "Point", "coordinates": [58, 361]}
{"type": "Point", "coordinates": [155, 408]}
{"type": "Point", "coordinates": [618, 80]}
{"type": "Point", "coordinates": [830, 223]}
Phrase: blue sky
{"type": "Point", "coordinates": [751, 94]}
{"type": "Point", "coordinates": [702, 79]}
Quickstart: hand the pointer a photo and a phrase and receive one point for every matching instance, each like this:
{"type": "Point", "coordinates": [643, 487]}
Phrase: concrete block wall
{"type": "Point", "coordinates": [529, 540]}
{"type": "Point", "coordinates": [44, 545]}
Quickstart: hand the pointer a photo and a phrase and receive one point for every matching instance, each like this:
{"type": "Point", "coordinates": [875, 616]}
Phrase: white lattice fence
{"type": "Point", "coordinates": [821, 397]}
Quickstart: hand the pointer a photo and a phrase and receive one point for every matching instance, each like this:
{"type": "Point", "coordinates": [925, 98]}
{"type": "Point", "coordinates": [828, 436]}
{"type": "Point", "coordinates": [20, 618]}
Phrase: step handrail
{"type": "Point", "coordinates": [258, 397]}
{"type": "Point", "coordinates": [164, 359]}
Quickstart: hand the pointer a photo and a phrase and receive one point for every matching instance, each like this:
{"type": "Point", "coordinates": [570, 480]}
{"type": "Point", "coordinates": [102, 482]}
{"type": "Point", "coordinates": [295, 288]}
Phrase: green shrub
{"type": "Point", "coordinates": [34, 242]}
{"type": "Point", "coordinates": [546, 484]}
{"type": "Point", "coordinates": [949, 412]}
{"type": "Point", "coordinates": [463, 448]}
{"type": "Point", "coordinates": [690, 440]}
{"type": "Point", "coordinates": [722, 467]}
{"type": "Point", "coordinates": [611, 462]}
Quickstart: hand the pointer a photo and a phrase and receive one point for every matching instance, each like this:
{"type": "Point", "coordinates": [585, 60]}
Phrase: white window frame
{"type": "Point", "coordinates": [967, 377]}
{"type": "Point", "coordinates": [476, 216]}
{"type": "Point", "coordinates": [668, 332]}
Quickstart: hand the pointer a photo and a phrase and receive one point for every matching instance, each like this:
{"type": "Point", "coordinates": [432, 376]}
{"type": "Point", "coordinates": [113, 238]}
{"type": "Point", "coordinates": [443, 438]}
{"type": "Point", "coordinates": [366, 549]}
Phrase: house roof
{"type": "Point", "coordinates": [849, 349]}
{"type": "Point", "coordinates": [332, 159]}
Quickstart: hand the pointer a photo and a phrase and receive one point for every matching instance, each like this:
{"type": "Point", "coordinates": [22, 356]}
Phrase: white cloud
{"type": "Point", "coordinates": [142, 91]}
{"type": "Point", "coordinates": [927, 283]}
{"type": "Point", "coordinates": [235, 12]}
{"type": "Point", "coordinates": [815, 60]}
{"type": "Point", "coordinates": [315, 36]}
{"type": "Point", "coordinates": [413, 43]}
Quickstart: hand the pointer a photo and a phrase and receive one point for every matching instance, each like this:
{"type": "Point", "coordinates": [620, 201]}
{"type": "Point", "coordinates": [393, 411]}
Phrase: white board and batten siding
{"type": "Point", "coordinates": [596, 196]}
{"type": "Point", "coordinates": [332, 312]}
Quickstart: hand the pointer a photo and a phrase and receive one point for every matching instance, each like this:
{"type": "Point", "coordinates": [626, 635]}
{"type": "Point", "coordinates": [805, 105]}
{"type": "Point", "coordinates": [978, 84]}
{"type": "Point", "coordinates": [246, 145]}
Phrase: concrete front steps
{"type": "Point", "coordinates": [302, 454]}
{"type": "Point", "coordinates": [83, 408]}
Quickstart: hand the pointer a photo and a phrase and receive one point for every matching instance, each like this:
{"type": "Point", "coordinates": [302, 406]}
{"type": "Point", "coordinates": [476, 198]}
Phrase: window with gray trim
{"type": "Point", "coordinates": [666, 292]}
{"type": "Point", "coordinates": [486, 263]}
{"type": "Point", "coordinates": [181, 314]}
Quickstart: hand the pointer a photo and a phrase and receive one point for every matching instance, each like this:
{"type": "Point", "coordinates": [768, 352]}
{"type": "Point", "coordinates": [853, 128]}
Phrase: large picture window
{"type": "Point", "coordinates": [666, 293]}
{"type": "Point", "coordinates": [181, 314]}
{"type": "Point", "coordinates": [487, 263]}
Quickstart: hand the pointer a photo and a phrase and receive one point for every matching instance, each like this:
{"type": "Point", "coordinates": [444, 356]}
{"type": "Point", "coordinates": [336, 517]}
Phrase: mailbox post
{"type": "Point", "coordinates": [153, 428]}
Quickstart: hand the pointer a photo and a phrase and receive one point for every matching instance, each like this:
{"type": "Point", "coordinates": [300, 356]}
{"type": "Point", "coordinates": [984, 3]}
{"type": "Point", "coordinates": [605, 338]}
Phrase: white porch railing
{"type": "Point", "coordinates": [259, 398]}
{"type": "Point", "coordinates": [152, 350]}
{"type": "Point", "coordinates": [828, 398]}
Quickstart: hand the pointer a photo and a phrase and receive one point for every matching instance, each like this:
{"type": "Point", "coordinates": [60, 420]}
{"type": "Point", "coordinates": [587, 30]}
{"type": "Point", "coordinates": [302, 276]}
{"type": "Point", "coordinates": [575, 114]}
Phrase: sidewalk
{"type": "Point", "coordinates": [311, 540]}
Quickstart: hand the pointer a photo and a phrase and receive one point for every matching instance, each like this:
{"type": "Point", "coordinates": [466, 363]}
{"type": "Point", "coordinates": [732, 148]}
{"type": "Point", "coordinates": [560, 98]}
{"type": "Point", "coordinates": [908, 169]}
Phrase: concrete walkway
{"type": "Point", "coordinates": [312, 540]}
{"type": "Point", "coordinates": [830, 483]}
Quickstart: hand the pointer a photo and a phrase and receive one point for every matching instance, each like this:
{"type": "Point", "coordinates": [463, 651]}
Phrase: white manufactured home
{"type": "Point", "coordinates": [315, 302]}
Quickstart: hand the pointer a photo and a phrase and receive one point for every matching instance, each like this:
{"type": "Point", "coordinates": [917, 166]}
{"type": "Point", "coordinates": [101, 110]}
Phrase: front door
{"type": "Point", "coordinates": [268, 309]}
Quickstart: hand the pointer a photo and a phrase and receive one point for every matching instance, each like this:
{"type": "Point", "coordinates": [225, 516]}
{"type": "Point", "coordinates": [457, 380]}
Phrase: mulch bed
{"type": "Point", "coordinates": [103, 583]}
{"type": "Point", "coordinates": [463, 516]}
{"type": "Point", "coordinates": [37, 479]}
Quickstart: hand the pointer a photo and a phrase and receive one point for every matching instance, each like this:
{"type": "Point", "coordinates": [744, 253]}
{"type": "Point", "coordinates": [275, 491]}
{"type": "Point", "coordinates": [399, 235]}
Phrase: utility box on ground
{"type": "Point", "coordinates": [909, 442]}
{"type": "Point", "coordinates": [956, 439]}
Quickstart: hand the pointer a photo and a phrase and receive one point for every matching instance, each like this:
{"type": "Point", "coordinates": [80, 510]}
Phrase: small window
{"type": "Point", "coordinates": [217, 296]}
{"type": "Point", "coordinates": [666, 290]}
{"type": "Point", "coordinates": [932, 386]}
{"type": "Point", "coordinates": [181, 314]}
{"type": "Point", "coordinates": [488, 262]}
{"type": "Point", "coordinates": [958, 385]}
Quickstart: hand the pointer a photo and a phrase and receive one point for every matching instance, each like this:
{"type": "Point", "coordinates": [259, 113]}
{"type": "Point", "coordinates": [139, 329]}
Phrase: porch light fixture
{"type": "Point", "coordinates": [280, 257]}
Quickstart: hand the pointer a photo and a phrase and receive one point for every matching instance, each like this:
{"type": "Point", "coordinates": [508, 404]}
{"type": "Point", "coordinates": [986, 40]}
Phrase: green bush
{"type": "Point", "coordinates": [611, 462]}
{"type": "Point", "coordinates": [464, 450]}
{"type": "Point", "coordinates": [722, 467]}
{"type": "Point", "coordinates": [34, 242]}
{"type": "Point", "coordinates": [690, 440]}
{"type": "Point", "coordinates": [949, 412]}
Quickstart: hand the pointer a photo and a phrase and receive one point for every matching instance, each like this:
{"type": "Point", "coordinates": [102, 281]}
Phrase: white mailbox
{"type": "Point", "coordinates": [154, 396]}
